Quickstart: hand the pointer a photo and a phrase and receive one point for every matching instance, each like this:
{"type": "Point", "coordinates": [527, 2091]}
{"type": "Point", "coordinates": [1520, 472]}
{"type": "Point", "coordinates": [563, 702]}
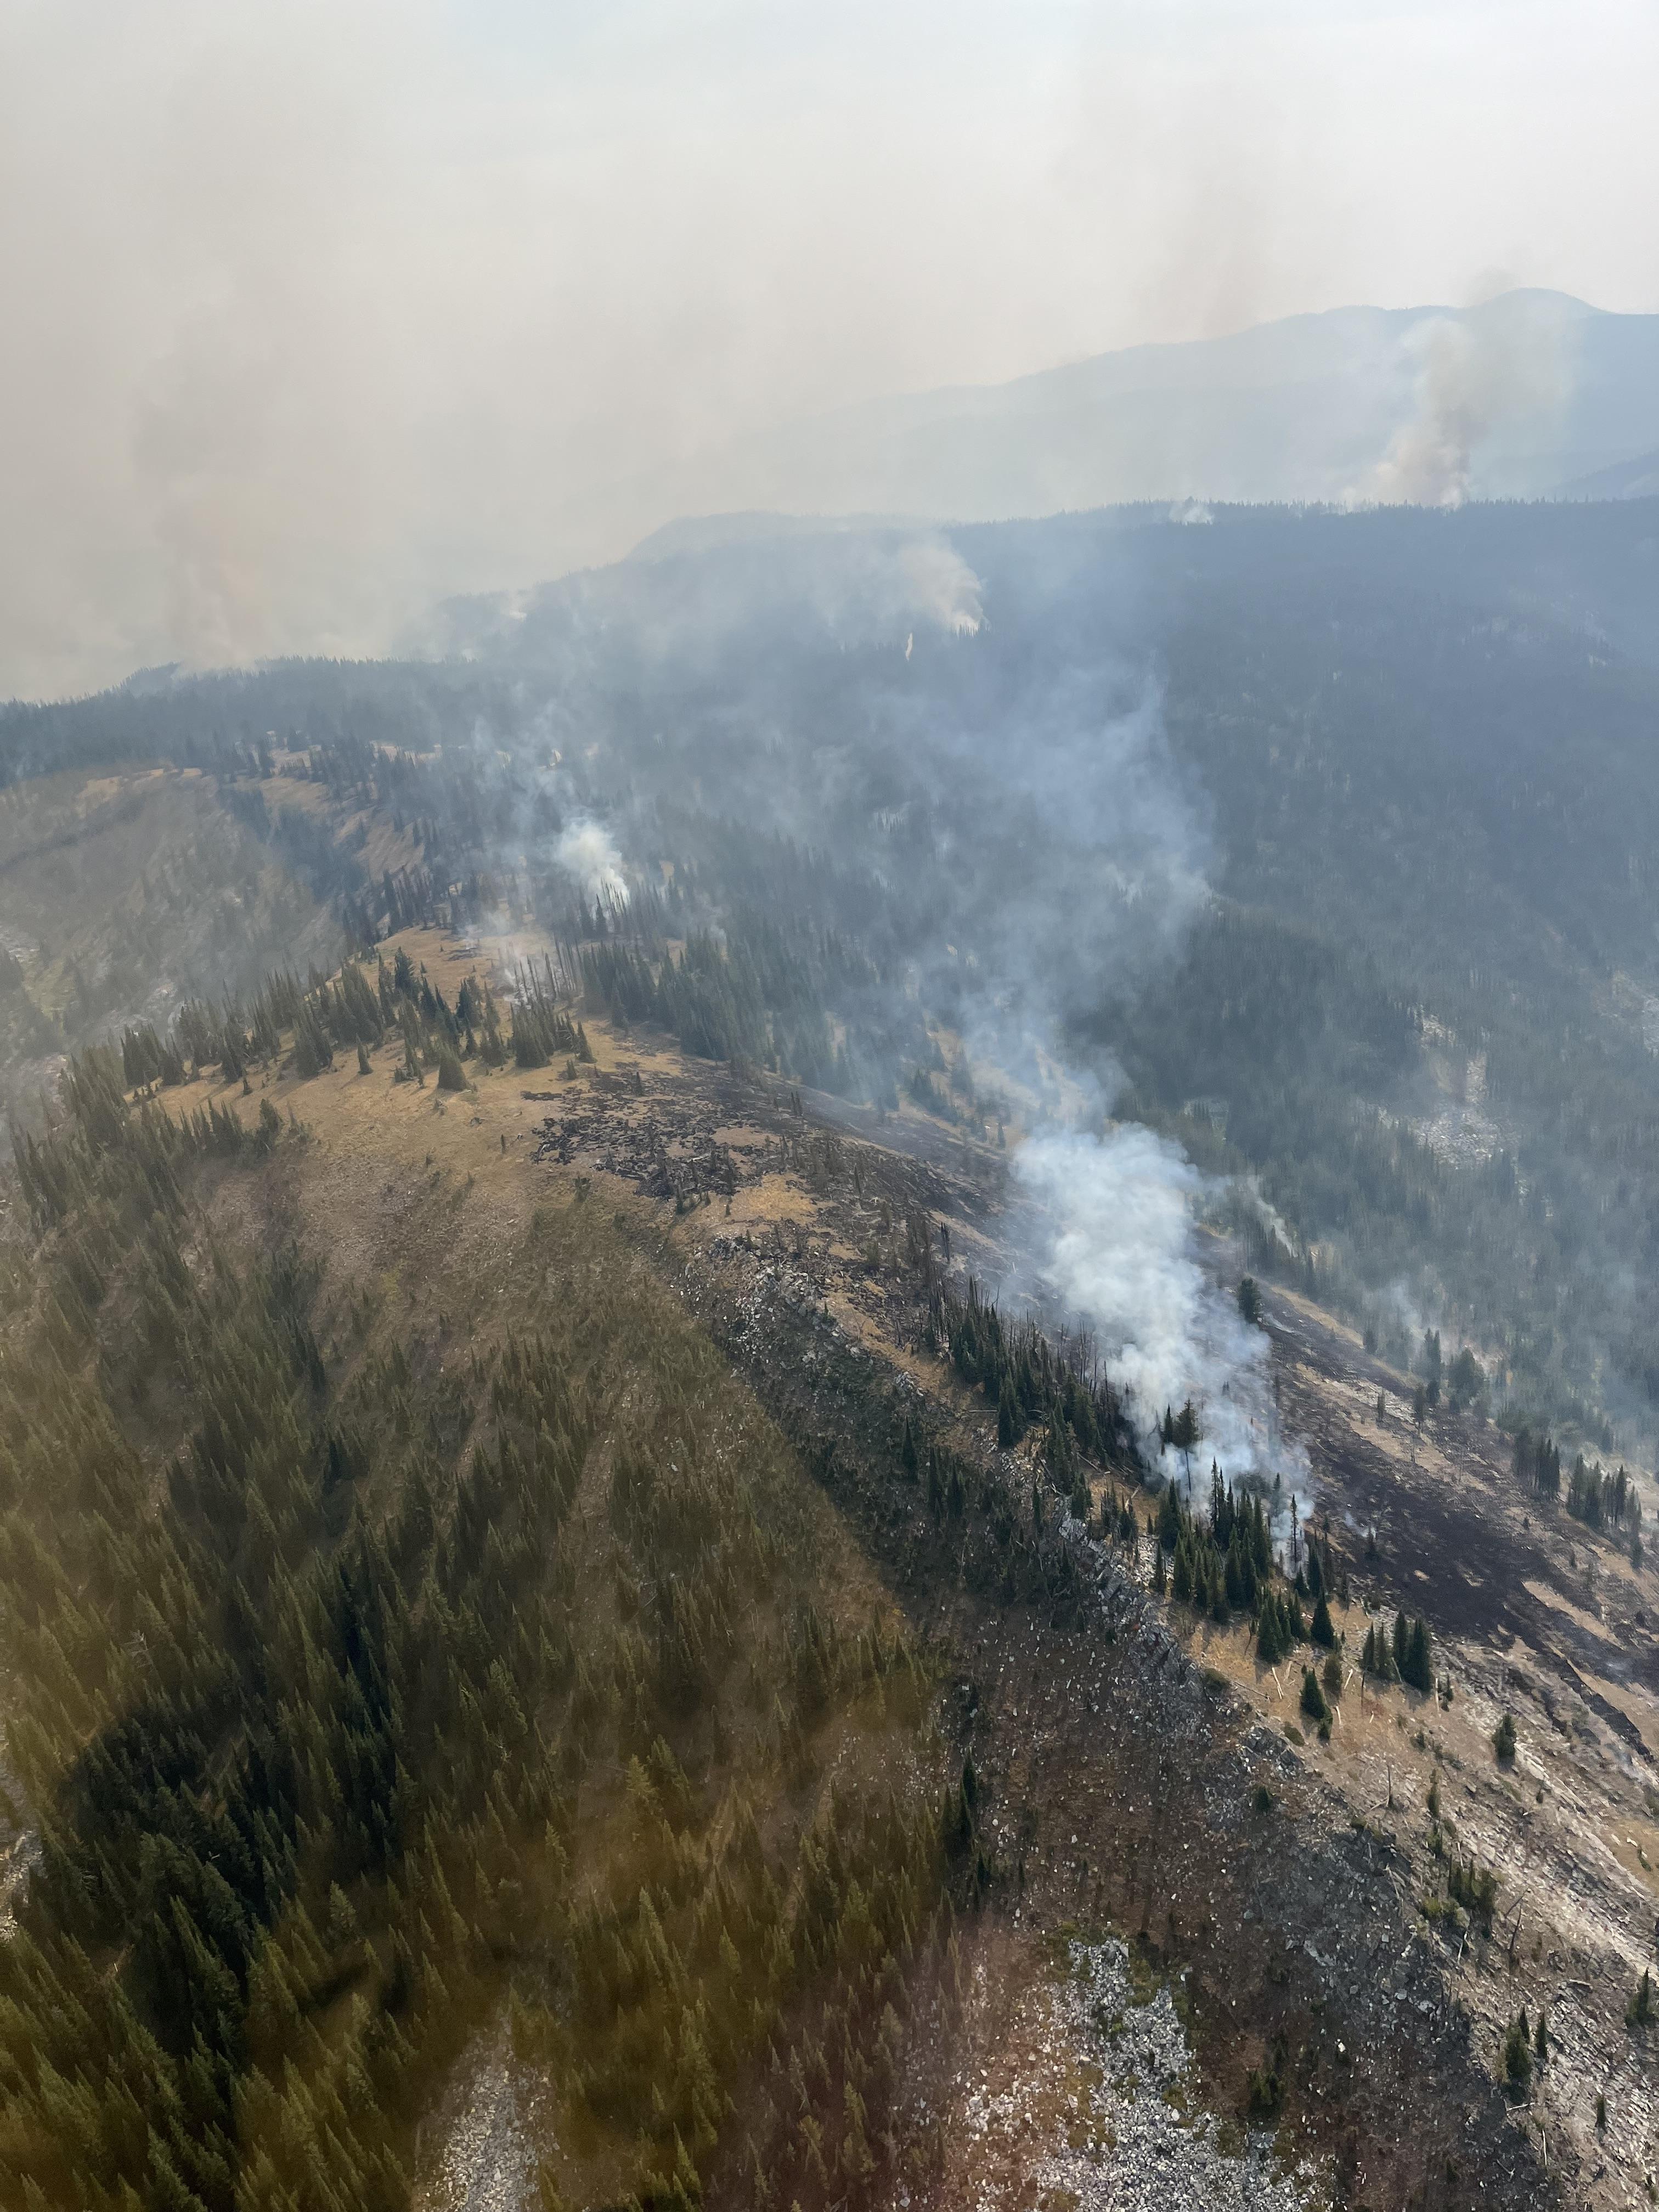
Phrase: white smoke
{"type": "Point", "coordinates": [1266, 1213]}
{"type": "Point", "coordinates": [1475, 376]}
{"type": "Point", "coordinates": [587, 851]}
{"type": "Point", "coordinates": [941, 587]}
{"type": "Point", "coordinates": [869, 587]}
{"type": "Point", "coordinates": [1190, 511]}
{"type": "Point", "coordinates": [1122, 1254]}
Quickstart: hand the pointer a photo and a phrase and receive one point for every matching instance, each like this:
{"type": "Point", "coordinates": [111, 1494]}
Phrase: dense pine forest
{"type": "Point", "coordinates": [358, 1686]}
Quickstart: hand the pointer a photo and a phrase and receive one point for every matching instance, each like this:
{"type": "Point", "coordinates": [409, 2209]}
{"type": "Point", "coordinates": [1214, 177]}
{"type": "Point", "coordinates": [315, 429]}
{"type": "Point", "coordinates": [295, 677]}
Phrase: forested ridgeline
{"type": "Point", "coordinates": [761, 992]}
{"type": "Point", "coordinates": [358, 1698]}
{"type": "Point", "coordinates": [1408, 753]}
{"type": "Point", "coordinates": [121, 895]}
{"type": "Point", "coordinates": [299, 1025]}
{"type": "Point", "coordinates": [397, 705]}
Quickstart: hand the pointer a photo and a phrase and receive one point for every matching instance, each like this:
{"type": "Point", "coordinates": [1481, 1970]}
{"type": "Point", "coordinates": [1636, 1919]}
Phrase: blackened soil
{"type": "Point", "coordinates": [1455, 1537]}
{"type": "Point", "coordinates": [1118, 1785]}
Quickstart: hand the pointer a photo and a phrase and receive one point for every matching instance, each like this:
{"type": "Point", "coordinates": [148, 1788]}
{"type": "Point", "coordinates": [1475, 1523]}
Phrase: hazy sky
{"type": "Point", "coordinates": [310, 311]}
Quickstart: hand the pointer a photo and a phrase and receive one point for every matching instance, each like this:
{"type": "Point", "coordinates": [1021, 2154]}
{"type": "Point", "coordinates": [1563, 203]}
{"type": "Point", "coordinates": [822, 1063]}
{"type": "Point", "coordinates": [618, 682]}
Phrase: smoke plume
{"type": "Point", "coordinates": [1475, 376]}
{"type": "Point", "coordinates": [980, 748]}
{"type": "Point", "coordinates": [587, 850]}
{"type": "Point", "coordinates": [1122, 1254]}
{"type": "Point", "coordinates": [1004, 773]}
{"type": "Point", "coordinates": [315, 315]}
{"type": "Point", "coordinates": [942, 587]}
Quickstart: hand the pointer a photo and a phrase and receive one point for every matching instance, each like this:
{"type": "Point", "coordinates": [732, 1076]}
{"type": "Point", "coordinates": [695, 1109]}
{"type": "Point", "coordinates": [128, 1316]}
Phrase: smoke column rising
{"type": "Point", "coordinates": [1475, 376]}
{"type": "Point", "coordinates": [587, 850]}
{"type": "Point", "coordinates": [1120, 855]}
{"type": "Point", "coordinates": [1123, 1254]}
{"type": "Point", "coordinates": [1012, 785]}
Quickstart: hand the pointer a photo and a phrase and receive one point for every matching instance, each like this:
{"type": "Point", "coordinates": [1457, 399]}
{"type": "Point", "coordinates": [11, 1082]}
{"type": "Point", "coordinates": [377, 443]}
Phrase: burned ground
{"type": "Point", "coordinates": [1456, 1536]}
{"type": "Point", "coordinates": [1088, 1708]}
{"type": "Point", "coordinates": [1120, 1787]}
{"type": "Point", "coordinates": [1537, 1618]}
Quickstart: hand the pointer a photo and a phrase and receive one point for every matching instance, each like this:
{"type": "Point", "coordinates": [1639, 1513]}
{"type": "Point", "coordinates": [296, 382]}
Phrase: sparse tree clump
{"type": "Point", "coordinates": [1465, 1382]}
{"type": "Point", "coordinates": [1413, 1653]}
{"type": "Point", "coordinates": [1404, 1655]}
{"type": "Point", "coordinates": [1537, 1463]}
{"type": "Point", "coordinates": [1432, 1366]}
{"type": "Point", "coordinates": [1474, 1887]}
{"type": "Point", "coordinates": [1517, 2055]}
{"type": "Point", "coordinates": [1278, 1627]}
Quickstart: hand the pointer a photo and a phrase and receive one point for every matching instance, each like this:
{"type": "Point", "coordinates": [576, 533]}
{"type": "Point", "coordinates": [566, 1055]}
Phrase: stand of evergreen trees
{"type": "Point", "coordinates": [347, 1729]}
{"type": "Point", "coordinates": [771, 989]}
{"type": "Point", "coordinates": [349, 1012]}
{"type": "Point", "coordinates": [1030, 1384]}
{"type": "Point", "coordinates": [1598, 1499]}
{"type": "Point", "coordinates": [1406, 1654]}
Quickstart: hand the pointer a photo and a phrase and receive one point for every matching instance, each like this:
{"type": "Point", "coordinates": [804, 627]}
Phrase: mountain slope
{"type": "Point", "coordinates": [1508, 399]}
{"type": "Point", "coordinates": [517, 1693]}
{"type": "Point", "coordinates": [528, 1445]}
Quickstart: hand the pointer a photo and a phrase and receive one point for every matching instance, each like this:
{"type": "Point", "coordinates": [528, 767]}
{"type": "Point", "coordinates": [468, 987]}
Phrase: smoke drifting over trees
{"type": "Point", "coordinates": [1476, 377]}
{"type": "Point", "coordinates": [658, 1222]}
{"type": "Point", "coordinates": [317, 315]}
{"type": "Point", "coordinates": [1121, 1253]}
{"type": "Point", "coordinates": [1316, 844]}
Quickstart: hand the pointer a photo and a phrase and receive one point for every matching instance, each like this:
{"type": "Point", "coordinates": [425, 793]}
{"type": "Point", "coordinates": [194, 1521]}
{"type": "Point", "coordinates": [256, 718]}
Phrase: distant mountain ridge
{"type": "Point", "coordinates": [1632, 479]}
{"type": "Point", "coordinates": [1531, 394]}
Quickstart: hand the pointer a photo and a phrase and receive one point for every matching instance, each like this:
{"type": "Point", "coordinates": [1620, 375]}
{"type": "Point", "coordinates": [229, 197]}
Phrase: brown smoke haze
{"type": "Point", "coordinates": [312, 313]}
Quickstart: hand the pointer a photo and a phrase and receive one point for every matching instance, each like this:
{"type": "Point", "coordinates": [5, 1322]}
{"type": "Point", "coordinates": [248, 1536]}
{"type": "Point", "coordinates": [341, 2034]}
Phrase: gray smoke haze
{"type": "Point", "coordinates": [314, 315]}
{"type": "Point", "coordinates": [855, 586]}
{"type": "Point", "coordinates": [1106, 873]}
{"type": "Point", "coordinates": [1033, 804]}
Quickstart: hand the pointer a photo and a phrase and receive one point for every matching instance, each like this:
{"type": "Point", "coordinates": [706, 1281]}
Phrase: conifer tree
{"type": "Point", "coordinates": [1008, 1419]}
